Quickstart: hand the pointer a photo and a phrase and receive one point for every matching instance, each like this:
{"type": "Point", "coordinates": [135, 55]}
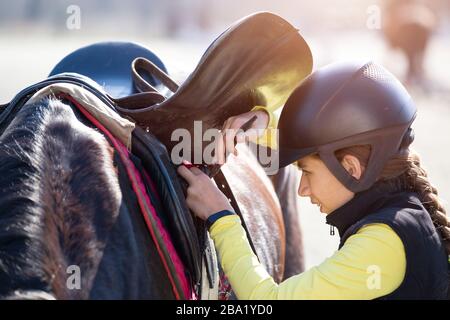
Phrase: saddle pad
{"type": "Point", "coordinates": [91, 106]}
{"type": "Point", "coordinates": [163, 242]}
{"type": "Point", "coordinates": [120, 127]}
{"type": "Point", "coordinates": [154, 157]}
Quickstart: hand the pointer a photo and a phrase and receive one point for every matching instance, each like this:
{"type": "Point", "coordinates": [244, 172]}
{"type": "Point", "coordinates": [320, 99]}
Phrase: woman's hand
{"type": "Point", "coordinates": [203, 196]}
{"type": "Point", "coordinates": [230, 130]}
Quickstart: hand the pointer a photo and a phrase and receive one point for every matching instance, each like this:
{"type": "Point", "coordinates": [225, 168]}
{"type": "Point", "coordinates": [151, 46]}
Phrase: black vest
{"type": "Point", "coordinates": [426, 274]}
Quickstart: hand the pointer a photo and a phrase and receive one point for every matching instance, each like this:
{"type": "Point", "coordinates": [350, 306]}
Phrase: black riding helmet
{"type": "Point", "coordinates": [344, 105]}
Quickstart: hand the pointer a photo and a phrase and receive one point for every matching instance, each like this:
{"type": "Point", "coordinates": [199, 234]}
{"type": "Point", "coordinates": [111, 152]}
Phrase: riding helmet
{"type": "Point", "coordinates": [343, 105]}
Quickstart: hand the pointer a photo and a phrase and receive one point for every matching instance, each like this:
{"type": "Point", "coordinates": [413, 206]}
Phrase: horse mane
{"type": "Point", "coordinates": [59, 196]}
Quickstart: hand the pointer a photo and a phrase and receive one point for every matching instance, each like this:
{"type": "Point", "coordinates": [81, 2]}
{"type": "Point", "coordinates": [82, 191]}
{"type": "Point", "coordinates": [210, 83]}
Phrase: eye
{"type": "Point", "coordinates": [305, 172]}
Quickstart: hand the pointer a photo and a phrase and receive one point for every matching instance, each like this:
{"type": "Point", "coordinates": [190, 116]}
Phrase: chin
{"type": "Point", "coordinates": [324, 211]}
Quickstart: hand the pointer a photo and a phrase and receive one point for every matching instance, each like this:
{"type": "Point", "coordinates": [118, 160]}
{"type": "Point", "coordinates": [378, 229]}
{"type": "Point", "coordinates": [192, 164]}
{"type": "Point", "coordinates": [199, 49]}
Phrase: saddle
{"type": "Point", "coordinates": [259, 60]}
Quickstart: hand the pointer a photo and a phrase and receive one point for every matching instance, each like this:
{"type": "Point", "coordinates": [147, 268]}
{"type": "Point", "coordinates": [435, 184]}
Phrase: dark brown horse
{"type": "Point", "coordinates": [62, 206]}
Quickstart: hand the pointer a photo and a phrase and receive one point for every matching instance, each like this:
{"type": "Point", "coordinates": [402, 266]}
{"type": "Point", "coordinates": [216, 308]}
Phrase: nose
{"type": "Point", "coordinates": [303, 189]}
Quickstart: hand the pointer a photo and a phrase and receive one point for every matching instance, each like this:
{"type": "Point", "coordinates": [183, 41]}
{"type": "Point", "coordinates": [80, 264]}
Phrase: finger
{"type": "Point", "coordinates": [227, 123]}
{"type": "Point", "coordinates": [240, 137]}
{"type": "Point", "coordinates": [186, 174]}
{"type": "Point", "coordinates": [252, 134]}
{"type": "Point", "coordinates": [237, 123]}
{"type": "Point", "coordinates": [219, 150]}
{"type": "Point", "coordinates": [197, 172]}
{"type": "Point", "coordinates": [229, 141]}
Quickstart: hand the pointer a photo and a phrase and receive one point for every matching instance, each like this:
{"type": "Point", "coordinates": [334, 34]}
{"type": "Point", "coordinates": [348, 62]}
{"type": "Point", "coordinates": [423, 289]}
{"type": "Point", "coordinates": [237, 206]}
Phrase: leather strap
{"type": "Point", "coordinates": [148, 95]}
{"type": "Point", "coordinates": [138, 100]}
{"type": "Point", "coordinates": [223, 185]}
{"type": "Point", "coordinates": [144, 65]}
{"type": "Point", "coordinates": [209, 288]}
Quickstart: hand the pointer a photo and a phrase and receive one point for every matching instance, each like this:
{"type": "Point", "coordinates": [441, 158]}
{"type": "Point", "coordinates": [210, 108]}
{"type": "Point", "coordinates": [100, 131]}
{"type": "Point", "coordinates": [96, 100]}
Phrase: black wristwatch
{"type": "Point", "coordinates": [216, 216]}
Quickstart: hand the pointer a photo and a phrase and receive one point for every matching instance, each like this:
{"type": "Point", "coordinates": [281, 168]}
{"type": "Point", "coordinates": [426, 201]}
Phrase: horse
{"type": "Point", "coordinates": [408, 26]}
{"type": "Point", "coordinates": [62, 206]}
{"type": "Point", "coordinates": [71, 226]}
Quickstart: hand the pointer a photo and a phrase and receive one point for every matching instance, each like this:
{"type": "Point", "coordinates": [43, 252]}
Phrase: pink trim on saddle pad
{"type": "Point", "coordinates": [145, 203]}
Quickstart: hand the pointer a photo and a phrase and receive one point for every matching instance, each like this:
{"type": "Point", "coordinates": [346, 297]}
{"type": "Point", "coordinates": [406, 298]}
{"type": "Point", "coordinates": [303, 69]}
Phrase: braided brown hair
{"type": "Point", "coordinates": [405, 173]}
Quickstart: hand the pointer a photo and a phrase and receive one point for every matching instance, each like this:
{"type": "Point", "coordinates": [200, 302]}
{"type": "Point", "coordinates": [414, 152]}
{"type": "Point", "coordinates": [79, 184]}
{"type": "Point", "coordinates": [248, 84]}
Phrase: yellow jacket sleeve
{"type": "Point", "coordinates": [371, 264]}
{"type": "Point", "coordinates": [268, 138]}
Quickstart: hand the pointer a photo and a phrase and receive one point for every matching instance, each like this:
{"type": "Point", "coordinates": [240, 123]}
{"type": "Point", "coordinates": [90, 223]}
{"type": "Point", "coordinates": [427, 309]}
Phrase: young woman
{"type": "Point", "coordinates": [348, 127]}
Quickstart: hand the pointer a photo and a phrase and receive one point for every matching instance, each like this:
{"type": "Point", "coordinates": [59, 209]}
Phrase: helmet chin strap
{"type": "Point", "coordinates": [381, 152]}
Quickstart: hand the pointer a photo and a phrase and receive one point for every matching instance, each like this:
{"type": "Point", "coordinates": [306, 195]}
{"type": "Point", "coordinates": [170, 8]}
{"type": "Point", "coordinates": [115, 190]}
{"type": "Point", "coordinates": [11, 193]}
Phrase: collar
{"type": "Point", "coordinates": [361, 205]}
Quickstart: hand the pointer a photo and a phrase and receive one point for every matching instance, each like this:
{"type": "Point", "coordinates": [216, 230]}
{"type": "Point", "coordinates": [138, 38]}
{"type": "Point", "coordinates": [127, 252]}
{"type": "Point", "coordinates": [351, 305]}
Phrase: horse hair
{"type": "Point", "coordinates": [48, 163]}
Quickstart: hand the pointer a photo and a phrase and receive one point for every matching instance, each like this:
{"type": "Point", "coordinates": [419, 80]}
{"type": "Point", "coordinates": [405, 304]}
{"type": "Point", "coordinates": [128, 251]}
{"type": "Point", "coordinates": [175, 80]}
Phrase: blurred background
{"type": "Point", "coordinates": [410, 38]}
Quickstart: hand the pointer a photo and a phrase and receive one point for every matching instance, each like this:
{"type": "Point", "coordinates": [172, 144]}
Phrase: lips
{"type": "Point", "coordinates": [317, 204]}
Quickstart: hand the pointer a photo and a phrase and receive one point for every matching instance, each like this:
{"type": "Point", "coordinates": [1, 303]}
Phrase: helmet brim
{"type": "Point", "coordinates": [288, 155]}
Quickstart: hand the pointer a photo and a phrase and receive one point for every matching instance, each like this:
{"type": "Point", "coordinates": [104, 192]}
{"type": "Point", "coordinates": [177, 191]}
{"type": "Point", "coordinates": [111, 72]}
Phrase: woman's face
{"type": "Point", "coordinates": [321, 186]}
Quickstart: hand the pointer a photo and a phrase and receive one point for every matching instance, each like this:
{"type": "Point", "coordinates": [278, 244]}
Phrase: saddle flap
{"type": "Point", "coordinates": [181, 224]}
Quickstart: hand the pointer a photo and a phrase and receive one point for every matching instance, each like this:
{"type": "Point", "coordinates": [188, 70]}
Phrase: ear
{"type": "Point", "coordinates": [352, 165]}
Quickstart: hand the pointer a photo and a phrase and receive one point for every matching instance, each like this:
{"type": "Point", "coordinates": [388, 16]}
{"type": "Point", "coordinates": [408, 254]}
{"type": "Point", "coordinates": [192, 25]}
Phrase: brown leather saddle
{"type": "Point", "coordinates": [259, 60]}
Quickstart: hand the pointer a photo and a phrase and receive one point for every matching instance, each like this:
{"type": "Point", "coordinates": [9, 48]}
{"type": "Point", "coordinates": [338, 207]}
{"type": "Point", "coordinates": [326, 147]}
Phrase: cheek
{"type": "Point", "coordinates": [318, 188]}
{"type": "Point", "coordinates": [326, 191]}
{"type": "Point", "coordinates": [338, 195]}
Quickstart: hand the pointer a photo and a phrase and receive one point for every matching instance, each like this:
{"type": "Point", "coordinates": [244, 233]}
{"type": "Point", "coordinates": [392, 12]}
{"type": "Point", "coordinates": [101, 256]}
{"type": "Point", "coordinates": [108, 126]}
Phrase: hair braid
{"type": "Point", "coordinates": [405, 173]}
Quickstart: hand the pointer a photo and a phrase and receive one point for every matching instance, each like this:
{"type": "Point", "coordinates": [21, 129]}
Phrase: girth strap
{"type": "Point", "coordinates": [223, 185]}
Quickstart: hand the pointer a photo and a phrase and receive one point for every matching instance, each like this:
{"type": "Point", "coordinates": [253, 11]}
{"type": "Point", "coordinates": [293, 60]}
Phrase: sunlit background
{"type": "Point", "coordinates": [36, 34]}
